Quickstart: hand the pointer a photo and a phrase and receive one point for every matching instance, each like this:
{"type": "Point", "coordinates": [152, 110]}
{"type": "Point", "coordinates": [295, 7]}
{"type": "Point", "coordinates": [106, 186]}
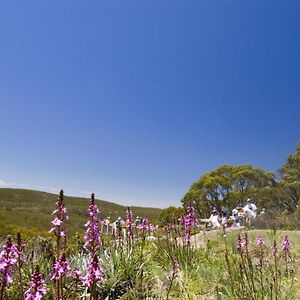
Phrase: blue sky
{"type": "Point", "coordinates": [135, 100]}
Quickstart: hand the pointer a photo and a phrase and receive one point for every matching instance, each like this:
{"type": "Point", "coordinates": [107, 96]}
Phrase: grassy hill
{"type": "Point", "coordinates": [30, 211]}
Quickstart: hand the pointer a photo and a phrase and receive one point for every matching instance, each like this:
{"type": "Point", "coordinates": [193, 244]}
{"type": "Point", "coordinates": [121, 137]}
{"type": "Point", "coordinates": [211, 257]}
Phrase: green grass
{"type": "Point", "coordinates": [30, 211]}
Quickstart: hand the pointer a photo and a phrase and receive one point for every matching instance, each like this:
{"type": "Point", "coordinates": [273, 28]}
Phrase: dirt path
{"type": "Point", "coordinates": [199, 240]}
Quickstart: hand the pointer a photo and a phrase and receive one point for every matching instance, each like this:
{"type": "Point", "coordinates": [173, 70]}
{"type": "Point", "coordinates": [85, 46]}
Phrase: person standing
{"type": "Point", "coordinates": [214, 219]}
{"type": "Point", "coordinates": [224, 217]}
{"type": "Point", "coordinates": [250, 210]}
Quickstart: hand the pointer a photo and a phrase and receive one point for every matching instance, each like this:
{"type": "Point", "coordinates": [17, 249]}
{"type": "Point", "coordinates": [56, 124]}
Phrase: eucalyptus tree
{"type": "Point", "coordinates": [289, 186]}
{"type": "Point", "coordinates": [170, 215]}
{"type": "Point", "coordinates": [228, 186]}
{"type": "Point", "coordinates": [290, 171]}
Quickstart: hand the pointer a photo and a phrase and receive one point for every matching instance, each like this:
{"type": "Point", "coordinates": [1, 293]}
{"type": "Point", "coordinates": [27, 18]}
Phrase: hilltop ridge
{"type": "Point", "coordinates": [29, 211]}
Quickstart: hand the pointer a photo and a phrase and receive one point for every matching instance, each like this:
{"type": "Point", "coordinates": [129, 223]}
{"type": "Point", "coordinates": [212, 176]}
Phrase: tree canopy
{"type": "Point", "coordinates": [170, 215]}
{"type": "Point", "coordinates": [228, 186]}
{"type": "Point", "coordinates": [288, 195]}
{"type": "Point", "coordinates": [290, 172]}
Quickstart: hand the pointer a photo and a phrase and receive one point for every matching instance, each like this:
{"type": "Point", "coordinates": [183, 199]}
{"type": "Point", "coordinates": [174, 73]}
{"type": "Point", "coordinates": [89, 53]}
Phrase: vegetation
{"type": "Point", "coordinates": [289, 184]}
{"type": "Point", "coordinates": [234, 266]}
{"type": "Point", "coordinates": [170, 215]}
{"type": "Point", "coordinates": [28, 212]}
{"type": "Point", "coordinates": [229, 186]}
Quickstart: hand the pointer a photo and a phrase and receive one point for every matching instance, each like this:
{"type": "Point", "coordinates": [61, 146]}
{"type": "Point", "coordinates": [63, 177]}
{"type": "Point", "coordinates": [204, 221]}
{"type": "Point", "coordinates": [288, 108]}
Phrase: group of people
{"type": "Point", "coordinates": [119, 223]}
{"type": "Point", "coordinates": [238, 216]}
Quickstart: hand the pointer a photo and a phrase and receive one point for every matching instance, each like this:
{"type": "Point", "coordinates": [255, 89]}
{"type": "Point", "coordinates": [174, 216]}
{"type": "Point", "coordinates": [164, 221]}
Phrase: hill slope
{"type": "Point", "coordinates": [30, 211]}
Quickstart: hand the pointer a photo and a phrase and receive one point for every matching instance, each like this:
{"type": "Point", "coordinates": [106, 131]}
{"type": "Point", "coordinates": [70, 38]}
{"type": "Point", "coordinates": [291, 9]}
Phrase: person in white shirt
{"type": "Point", "coordinates": [250, 210]}
{"type": "Point", "coordinates": [214, 219]}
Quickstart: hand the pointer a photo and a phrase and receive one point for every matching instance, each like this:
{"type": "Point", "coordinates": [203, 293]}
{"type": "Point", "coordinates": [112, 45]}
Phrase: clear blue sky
{"type": "Point", "coordinates": [135, 100]}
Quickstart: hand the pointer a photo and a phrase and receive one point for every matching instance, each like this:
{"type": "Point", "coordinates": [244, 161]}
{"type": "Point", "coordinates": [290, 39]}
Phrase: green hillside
{"type": "Point", "coordinates": [30, 212]}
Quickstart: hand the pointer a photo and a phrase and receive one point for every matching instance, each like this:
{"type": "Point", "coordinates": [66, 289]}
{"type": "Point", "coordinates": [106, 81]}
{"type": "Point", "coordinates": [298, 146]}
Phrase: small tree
{"type": "Point", "coordinates": [170, 215]}
{"type": "Point", "coordinates": [290, 181]}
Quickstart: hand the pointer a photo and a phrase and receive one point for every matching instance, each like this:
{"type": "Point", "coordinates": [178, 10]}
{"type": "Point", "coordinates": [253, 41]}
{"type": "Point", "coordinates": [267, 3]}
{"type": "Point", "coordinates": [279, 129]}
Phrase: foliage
{"type": "Point", "coordinates": [29, 211]}
{"type": "Point", "coordinates": [288, 192]}
{"type": "Point", "coordinates": [228, 186]}
{"type": "Point", "coordinates": [258, 269]}
{"type": "Point", "coordinates": [170, 215]}
{"type": "Point", "coordinates": [278, 220]}
{"type": "Point", "coordinates": [290, 172]}
{"type": "Point", "coordinates": [202, 273]}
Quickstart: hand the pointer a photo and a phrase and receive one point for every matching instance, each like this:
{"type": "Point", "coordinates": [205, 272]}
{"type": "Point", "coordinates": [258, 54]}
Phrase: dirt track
{"type": "Point", "coordinates": [199, 240]}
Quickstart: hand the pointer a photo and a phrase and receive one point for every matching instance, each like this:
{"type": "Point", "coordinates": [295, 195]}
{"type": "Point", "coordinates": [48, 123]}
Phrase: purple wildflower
{"type": "Point", "coordinates": [60, 268]}
{"type": "Point", "coordinates": [37, 288]}
{"type": "Point", "coordinates": [129, 214]}
{"type": "Point", "coordinates": [189, 221]}
{"type": "Point", "coordinates": [245, 243]}
{"type": "Point", "coordinates": [60, 215]}
{"type": "Point", "coordinates": [260, 241]}
{"type": "Point", "coordinates": [187, 229]}
{"type": "Point", "coordinates": [77, 274]}
{"type": "Point", "coordinates": [286, 244]}
{"type": "Point", "coordinates": [94, 273]}
{"type": "Point", "coordinates": [153, 228]}
{"type": "Point", "coordinates": [129, 222]}
{"type": "Point", "coordinates": [239, 244]}
{"type": "Point", "coordinates": [92, 234]}
{"type": "Point", "coordinates": [192, 215]}
{"type": "Point", "coordinates": [173, 272]}
{"type": "Point", "coordinates": [144, 226]}
{"type": "Point", "coordinates": [8, 259]}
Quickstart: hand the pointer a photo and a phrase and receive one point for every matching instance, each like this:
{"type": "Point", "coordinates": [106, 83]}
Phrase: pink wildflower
{"type": "Point", "coordinates": [152, 228]}
{"type": "Point", "coordinates": [8, 259]}
{"type": "Point", "coordinates": [260, 241]}
{"type": "Point", "coordinates": [173, 272]}
{"type": "Point", "coordinates": [144, 226]}
{"type": "Point", "coordinates": [129, 214]}
{"type": "Point", "coordinates": [286, 244]}
{"type": "Point", "coordinates": [92, 234]}
{"type": "Point", "coordinates": [77, 274]}
{"type": "Point", "coordinates": [37, 288]}
{"type": "Point", "coordinates": [60, 268]}
{"type": "Point", "coordinates": [239, 244]}
{"type": "Point", "coordinates": [56, 222]}
{"type": "Point", "coordinates": [189, 221]}
{"type": "Point", "coordinates": [129, 222]}
{"type": "Point", "coordinates": [192, 216]}
{"type": "Point", "coordinates": [94, 272]}
{"type": "Point", "coordinates": [245, 243]}
{"type": "Point", "coordinates": [61, 215]}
